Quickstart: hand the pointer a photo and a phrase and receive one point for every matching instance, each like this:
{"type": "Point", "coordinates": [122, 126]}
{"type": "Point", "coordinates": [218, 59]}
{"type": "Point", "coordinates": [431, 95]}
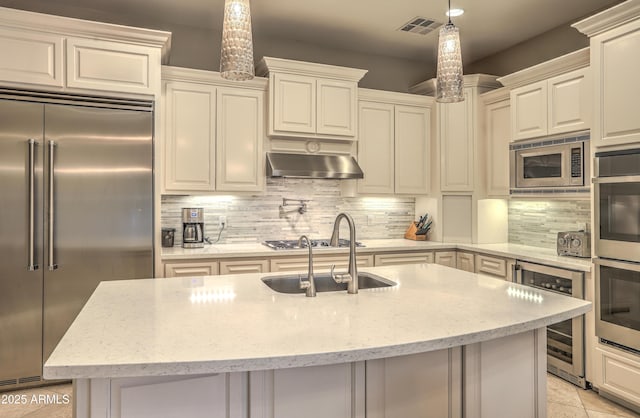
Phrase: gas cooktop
{"type": "Point", "coordinates": [293, 244]}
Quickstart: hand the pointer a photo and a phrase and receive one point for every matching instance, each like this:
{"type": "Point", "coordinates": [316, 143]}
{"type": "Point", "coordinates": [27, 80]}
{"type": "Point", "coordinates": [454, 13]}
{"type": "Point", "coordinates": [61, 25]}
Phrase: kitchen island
{"type": "Point", "coordinates": [439, 342]}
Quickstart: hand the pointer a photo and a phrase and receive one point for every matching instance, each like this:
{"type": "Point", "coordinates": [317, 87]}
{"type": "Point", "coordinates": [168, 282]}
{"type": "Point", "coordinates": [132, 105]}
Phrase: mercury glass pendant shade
{"type": "Point", "coordinates": [449, 82]}
{"type": "Point", "coordinates": [236, 55]}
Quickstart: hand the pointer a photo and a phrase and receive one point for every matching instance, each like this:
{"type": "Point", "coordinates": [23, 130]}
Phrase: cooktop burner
{"type": "Point", "coordinates": [293, 244]}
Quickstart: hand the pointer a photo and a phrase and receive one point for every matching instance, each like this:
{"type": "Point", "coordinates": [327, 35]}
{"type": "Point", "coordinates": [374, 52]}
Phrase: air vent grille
{"type": "Point", "coordinates": [30, 379]}
{"type": "Point", "coordinates": [8, 382]}
{"type": "Point", "coordinates": [420, 25]}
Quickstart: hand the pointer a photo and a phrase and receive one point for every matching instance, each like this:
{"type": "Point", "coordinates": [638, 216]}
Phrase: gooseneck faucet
{"type": "Point", "coordinates": [351, 276]}
{"type": "Point", "coordinates": [310, 284]}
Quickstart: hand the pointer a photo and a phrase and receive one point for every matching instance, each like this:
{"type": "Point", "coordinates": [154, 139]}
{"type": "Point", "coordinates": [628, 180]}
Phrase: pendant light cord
{"type": "Point", "coordinates": [449, 14]}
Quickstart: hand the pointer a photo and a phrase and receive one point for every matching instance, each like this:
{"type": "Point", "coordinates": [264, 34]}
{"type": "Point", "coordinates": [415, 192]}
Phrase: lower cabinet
{"type": "Point", "coordinates": [204, 268]}
{"type": "Point", "coordinates": [496, 267]}
{"type": "Point", "coordinates": [617, 375]}
{"type": "Point", "coordinates": [402, 258]}
{"type": "Point", "coordinates": [465, 261]}
{"type": "Point", "coordinates": [319, 262]}
{"type": "Point", "coordinates": [446, 258]}
{"type": "Point", "coordinates": [241, 266]}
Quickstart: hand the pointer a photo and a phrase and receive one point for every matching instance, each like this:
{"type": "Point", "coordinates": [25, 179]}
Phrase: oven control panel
{"type": "Point", "coordinates": [576, 244]}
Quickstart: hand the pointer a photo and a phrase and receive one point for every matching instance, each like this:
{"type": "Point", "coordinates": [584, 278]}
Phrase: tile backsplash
{"type": "Point", "coordinates": [259, 217]}
{"type": "Point", "coordinates": [537, 223]}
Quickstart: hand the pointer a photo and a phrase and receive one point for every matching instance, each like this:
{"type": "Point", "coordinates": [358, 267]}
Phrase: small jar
{"type": "Point", "coordinates": [167, 236]}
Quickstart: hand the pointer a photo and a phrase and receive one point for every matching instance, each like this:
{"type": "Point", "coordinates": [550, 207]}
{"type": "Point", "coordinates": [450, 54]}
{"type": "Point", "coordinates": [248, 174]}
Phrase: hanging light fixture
{"type": "Point", "coordinates": [449, 76]}
{"type": "Point", "coordinates": [236, 56]}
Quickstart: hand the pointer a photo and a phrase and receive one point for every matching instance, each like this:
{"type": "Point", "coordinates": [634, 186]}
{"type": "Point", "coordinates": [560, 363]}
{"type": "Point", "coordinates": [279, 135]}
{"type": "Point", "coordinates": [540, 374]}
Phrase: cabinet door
{"type": "Point", "coordinates": [294, 103]}
{"type": "Point", "coordinates": [492, 266]}
{"type": "Point", "coordinates": [31, 57]}
{"type": "Point", "coordinates": [243, 266]}
{"type": "Point", "coordinates": [321, 263]}
{"type": "Point", "coordinates": [498, 131]}
{"type": "Point", "coordinates": [529, 111]}
{"type": "Point", "coordinates": [412, 150]}
{"type": "Point", "coordinates": [376, 147]}
{"type": "Point", "coordinates": [465, 261]}
{"type": "Point", "coordinates": [189, 137]}
{"type": "Point", "coordinates": [457, 145]}
{"type": "Point", "coordinates": [112, 66]}
{"type": "Point", "coordinates": [239, 136]}
{"type": "Point", "coordinates": [616, 64]}
{"type": "Point", "coordinates": [336, 107]}
{"type": "Point", "coordinates": [204, 268]}
{"type": "Point", "coordinates": [446, 258]}
{"type": "Point", "coordinates": [404, 258]}
{"type": "Point", "coordinates": [569, 104]}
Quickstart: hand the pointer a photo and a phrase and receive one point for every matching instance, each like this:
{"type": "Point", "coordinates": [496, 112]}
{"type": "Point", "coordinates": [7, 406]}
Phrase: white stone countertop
{"type": "Point", "coordinates": [232, 323]}
{"type": "Point", "coordinates": [520, 252]}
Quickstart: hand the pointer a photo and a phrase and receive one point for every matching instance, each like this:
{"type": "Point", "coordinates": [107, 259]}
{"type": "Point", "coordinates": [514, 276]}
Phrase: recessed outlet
{"type": "Point", "coordinates": [222, 221]}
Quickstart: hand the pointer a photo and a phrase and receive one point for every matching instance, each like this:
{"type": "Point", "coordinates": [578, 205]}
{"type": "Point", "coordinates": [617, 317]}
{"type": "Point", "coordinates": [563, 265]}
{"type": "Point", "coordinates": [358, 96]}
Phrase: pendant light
{"type": "Point", "coordinates": [449, 75]}
{"type": "Point", "coordinates": [236, 56]}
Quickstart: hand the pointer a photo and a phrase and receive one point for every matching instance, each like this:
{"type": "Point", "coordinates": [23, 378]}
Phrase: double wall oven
{"type": "Point", "coordinates": [565, 340]}
{"type": "Point", "coordinates": [617, 248]}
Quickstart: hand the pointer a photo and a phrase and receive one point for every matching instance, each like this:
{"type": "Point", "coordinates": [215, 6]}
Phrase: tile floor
{"type": "Point", "coordinates": [564, 400]}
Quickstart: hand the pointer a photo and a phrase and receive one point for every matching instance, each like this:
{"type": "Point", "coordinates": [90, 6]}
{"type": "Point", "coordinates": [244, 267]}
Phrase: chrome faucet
{"type": "Point", "coordinates": [310, 284]}
{"type": "Point", "coordinates": [351, 276]}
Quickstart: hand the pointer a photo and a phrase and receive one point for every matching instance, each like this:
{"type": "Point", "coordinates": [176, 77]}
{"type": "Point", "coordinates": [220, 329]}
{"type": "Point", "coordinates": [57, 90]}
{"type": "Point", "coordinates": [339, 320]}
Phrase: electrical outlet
{"type": "Point", "coordinates": [222, 221]}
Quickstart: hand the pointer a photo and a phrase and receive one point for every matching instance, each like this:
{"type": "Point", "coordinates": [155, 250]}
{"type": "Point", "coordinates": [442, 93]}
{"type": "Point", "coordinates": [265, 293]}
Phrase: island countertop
{"type": "Point", "coordinates": [180, 326]}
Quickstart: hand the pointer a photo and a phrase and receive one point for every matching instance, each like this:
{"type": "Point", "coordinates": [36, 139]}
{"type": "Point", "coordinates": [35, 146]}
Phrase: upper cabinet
{"type": "Point", "coordinates": [309, 100]}
{"type": "Point", "coordinates": [497, 132]}
{"type": "Point", "coordinates": [213, 132]}
{"type": "Point", "coordinates": [615, 62]}
{"type": "Point", "coordinates": [394, 142]}
{"type": "Point", "coordinates": [550, 98]}
{"type": "Point", "coordinates": [71, 55]}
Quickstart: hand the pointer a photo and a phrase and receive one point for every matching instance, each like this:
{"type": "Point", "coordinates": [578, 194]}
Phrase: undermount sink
{"type": "Point", "coordinates": [324, 283]}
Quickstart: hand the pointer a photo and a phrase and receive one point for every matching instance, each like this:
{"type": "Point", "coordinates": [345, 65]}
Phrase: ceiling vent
{"type": "Point", "coordinates": [420, 25]}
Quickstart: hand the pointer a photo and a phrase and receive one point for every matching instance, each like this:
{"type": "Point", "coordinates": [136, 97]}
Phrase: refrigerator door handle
{"type": "Point", "coordinates": [52, 264]}
{"type": "Point", "coordinates": [31, 264]}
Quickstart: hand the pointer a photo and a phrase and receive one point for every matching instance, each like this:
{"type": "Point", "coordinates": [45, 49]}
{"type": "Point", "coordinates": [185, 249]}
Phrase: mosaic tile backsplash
{"type": "Point", "coordinates": [537, 223]}
{"type": "Point", "coordinates": [259, 218]}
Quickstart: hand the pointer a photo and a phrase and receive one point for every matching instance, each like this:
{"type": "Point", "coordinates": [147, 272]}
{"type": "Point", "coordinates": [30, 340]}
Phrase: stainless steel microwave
{"type": "Point", "coordinates": [559, 163]}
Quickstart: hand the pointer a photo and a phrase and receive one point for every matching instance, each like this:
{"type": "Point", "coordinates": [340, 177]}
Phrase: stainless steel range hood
{"type": "Point", "coordinates": [312, 166]}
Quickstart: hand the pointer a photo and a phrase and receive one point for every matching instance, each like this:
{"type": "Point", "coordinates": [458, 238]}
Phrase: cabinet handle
{"type": "Point", "coordinates": [52, 264]}
{"type": "Point", "coordinates": [31, 264]}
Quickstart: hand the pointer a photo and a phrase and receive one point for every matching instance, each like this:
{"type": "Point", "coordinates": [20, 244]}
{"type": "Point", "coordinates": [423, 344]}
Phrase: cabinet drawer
{"type": "Point", "coordinates": [465, 261]}
{"type": "Point", "coordinates": [243, 266]}
{"type": "Point", "coordinates": [31, 57]}
{"type": "Point", "coordinates": [446, 258]}
{"type": "Point", "coordinates": [404, 258]}
{"type": "Point", "coordinates": [620, 376]}
{"type": "Point", "coordinates": [319, 263]}
{"type": "Point", "coordinates": [112, 66]}
{"type": "Point", "coordinates": [491, 265]}
{"type": "Point", "coordinates": [190, 269]}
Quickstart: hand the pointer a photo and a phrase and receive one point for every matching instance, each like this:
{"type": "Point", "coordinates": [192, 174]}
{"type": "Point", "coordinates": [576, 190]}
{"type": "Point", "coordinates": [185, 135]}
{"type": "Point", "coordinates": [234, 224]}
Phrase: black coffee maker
{"type": "Point", "coordinates": [192, 228]}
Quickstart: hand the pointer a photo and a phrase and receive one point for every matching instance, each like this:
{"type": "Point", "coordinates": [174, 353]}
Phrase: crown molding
{"type": "Point", "coordinates": [268, 65]}
{"type": "Point", "coordinates": [190, 75]}
{"type": "Point", "coordinates": [495, 96]}
{"type": "Point", "coordinates": [483, 81]}
{"type": "Point", "coordinates": [403, 99]}
{"type": "Point", "coordinates": [44, 23]}
{"type": "Point", "coordinates": [560, 65]}
{"type": "Point", "coordinates": [610, 18]}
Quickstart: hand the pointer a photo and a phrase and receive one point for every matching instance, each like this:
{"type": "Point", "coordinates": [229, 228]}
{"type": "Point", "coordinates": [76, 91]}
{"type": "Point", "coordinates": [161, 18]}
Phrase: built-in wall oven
{"type": "Point", "coordinates": [565, 340]}
{"type": "Point", "coordinates": [617, 247]}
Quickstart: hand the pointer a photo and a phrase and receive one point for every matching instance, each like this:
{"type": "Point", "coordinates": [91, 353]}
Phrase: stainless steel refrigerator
{"type": "Point", "coordinates": [76, 208]}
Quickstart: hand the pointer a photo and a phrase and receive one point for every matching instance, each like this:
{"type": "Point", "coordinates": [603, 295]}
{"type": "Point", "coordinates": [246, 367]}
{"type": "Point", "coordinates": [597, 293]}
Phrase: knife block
{"type": "Point", "coordinates": [411, 233]}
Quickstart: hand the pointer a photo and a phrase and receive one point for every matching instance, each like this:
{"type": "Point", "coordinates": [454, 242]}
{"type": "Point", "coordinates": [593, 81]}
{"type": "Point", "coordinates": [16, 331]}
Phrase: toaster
{"type": "Point", "coordinates": [576, 244]}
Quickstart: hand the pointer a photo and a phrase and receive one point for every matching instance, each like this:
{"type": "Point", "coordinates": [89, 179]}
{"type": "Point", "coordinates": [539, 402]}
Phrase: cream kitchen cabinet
{"type": "Point", "coordinates": [615, 62]}
{"type": "Point", "coordinates": [394, 142]}
{"type": "Point", "coordinates": [465, 261]}
{"type": "Point", "coordinates": [446, 258]}
{"type": "Point", "coordinates": [311, 100]}
{"type": "Point", "coordinates": [497, 122]}
{"type": "Point", "coordinates": [551, 106]}
{"type": "Point", "coordinates": [496, 267]}
{"type": "Point", "coordinates": [191, 268]}
{"type": "Point", "coordinates": [241, 266]}
{"type": "Point", "coordinates": [213, 133]}
{"type": "Point", "coordinates": [393, 259]}
{"type": "Point", "coordinates": [59, 53]}
{"type": "Point", "coordinates": [320, 262]}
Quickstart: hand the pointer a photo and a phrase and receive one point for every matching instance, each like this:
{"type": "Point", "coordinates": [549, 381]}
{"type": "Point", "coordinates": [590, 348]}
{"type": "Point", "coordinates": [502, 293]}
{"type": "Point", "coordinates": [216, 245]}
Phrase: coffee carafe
{"type": "Point", "coordinates": [192, 228]}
